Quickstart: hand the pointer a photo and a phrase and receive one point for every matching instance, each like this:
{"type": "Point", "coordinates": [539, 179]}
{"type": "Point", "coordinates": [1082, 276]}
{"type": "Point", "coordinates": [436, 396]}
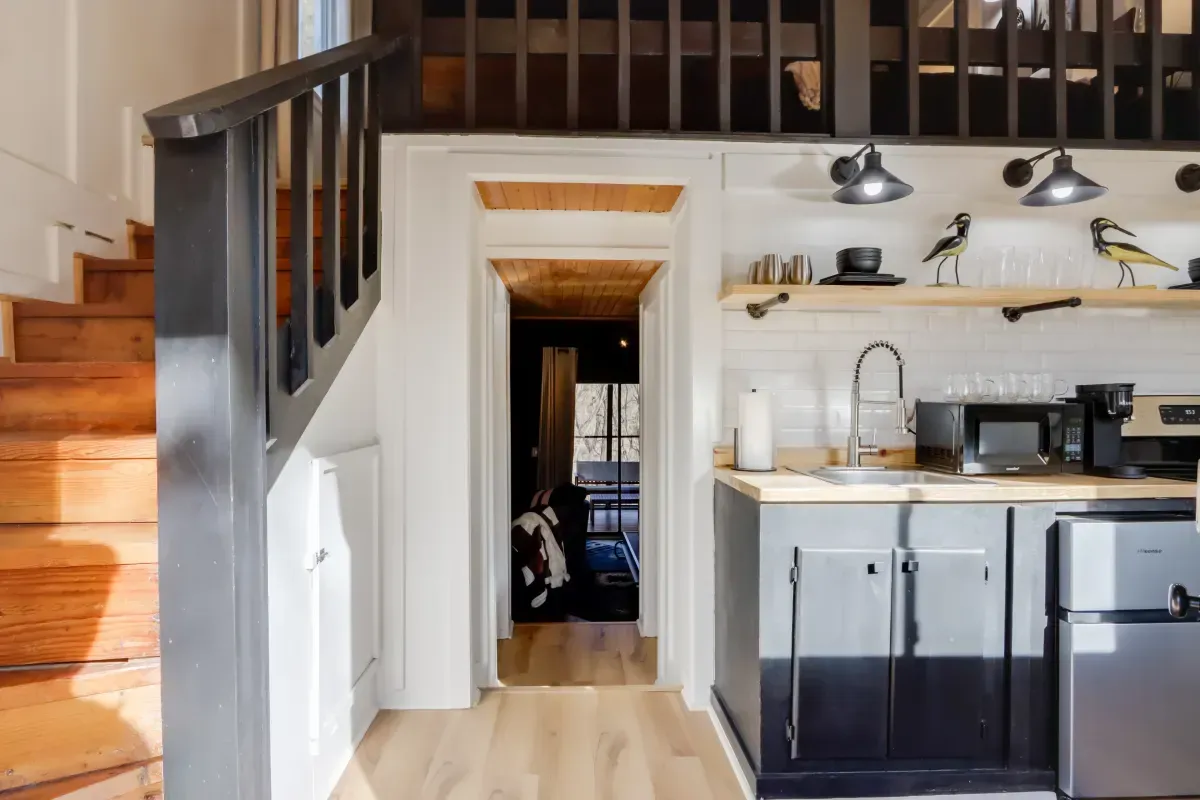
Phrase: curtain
{"type": "Point", "coordinates": [556, 433]}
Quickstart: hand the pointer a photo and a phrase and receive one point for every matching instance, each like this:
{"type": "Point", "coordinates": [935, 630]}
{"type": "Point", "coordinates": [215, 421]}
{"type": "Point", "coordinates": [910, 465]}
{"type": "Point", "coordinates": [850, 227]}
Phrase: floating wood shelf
{"type": "Point", "coordinates": [817, 298]}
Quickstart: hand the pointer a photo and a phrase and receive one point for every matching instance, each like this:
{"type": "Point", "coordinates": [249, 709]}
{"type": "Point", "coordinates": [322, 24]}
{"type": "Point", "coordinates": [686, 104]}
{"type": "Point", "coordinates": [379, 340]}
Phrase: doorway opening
{"type": "Point", "coordinates": [576, 394]}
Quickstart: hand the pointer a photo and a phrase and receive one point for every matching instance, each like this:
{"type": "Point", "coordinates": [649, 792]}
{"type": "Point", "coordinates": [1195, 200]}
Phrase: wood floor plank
{"type": "Point", "coordinates": [72, 403]}
{"type": "Point", "coordinates": [84, 339]}
{"type": "Point", "coordinates": [48, 492]}
{"type": "Point", "coordinates": [546, 745]}
{"type": "Point", "coordinates": [577, 654]}
{"type": "Point", "coordinates": [55, 740]}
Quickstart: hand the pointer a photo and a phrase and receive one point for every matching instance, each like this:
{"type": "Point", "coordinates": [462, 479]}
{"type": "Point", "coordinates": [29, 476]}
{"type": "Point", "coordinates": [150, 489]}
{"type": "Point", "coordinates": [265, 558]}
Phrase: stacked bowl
{"type": "Point", "coordinates": [859, 259]}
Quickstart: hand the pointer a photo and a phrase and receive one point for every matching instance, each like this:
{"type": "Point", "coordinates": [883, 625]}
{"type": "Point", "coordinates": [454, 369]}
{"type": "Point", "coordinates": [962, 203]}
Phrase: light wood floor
{"type": "Point", "coordinates": [561, 745]}
{"type": "Point", "coordinates": [577, 654]}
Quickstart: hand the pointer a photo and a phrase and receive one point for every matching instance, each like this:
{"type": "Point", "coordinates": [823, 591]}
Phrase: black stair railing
{"type": "Point", "coordinates": [236, 383]}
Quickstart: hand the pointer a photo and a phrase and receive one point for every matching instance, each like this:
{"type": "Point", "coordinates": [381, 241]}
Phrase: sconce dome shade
{"type": "Point", "coordinates": [1063, 186]}
{"type": "Point", "coordinates": [1188, 178]}
{"type": "Point", "coordinates": [870, 184]}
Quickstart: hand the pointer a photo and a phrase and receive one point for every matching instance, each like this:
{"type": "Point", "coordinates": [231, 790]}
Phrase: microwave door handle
{"type": "Point", "coordinates": [1044, 436]}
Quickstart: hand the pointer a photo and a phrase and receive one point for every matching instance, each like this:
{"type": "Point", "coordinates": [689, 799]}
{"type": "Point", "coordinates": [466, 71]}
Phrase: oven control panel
{"type": "Point", "coordinates": [1164, 415]}
{"type": "Point", "coordinates": [1179, 415]}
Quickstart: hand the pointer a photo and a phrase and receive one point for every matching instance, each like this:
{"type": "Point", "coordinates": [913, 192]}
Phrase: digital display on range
{"type": "Point", "coordinates": [1179, 415]}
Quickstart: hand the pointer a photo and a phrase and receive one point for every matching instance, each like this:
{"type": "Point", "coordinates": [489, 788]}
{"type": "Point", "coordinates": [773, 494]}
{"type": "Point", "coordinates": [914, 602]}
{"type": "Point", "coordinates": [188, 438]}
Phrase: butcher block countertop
{"type": "Point", "coordinates": [785, 486]}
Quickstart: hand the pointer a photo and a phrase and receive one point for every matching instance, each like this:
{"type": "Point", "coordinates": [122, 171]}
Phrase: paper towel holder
{"type": "Point", "coordinates": [736, 459]}
{"type": "Point", "coordinates": [759, 310]}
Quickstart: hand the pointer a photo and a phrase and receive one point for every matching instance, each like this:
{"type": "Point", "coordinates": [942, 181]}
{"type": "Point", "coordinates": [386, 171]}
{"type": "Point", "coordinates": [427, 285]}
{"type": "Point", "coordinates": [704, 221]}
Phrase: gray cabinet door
{"type": "Point", "coordinates": [840, 666]}
{"type": "Point", "coordinates": [945, 678]}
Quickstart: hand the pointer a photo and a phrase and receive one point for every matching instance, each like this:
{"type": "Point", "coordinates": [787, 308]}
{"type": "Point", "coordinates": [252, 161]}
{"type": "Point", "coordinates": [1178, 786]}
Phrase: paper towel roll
{"type": "Point", "coordinates": [755, 448]}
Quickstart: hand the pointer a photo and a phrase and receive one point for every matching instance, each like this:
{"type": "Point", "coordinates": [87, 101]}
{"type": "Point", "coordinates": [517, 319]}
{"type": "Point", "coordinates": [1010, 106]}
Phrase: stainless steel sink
{"type": "Point", "coordinates": [880, 476]}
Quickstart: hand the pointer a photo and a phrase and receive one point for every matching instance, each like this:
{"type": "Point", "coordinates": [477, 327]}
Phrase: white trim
{"type": "Point", "coordinates": [580, 253]}
{"type": "Point", "coordinates": [737, 761]}
{"type": "Point", "coordinates": [435, 340]}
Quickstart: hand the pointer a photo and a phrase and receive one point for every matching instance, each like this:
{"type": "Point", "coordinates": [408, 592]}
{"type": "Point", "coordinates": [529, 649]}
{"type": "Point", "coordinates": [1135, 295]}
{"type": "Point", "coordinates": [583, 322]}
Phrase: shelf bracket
{"type": "Point", "coordinates": [759, 310]}
{"type": "Point", "coordinates": [1014, 313]}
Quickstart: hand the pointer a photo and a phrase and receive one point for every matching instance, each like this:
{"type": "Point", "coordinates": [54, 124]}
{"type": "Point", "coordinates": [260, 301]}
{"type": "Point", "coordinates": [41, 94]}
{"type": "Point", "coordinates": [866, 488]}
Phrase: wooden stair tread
{"type": "Point", "coordinates": [21, 688]}
{"type": "Point", "coordinates": [51, 741]}
{"type": "Point", "coordinates": [139, 228]}
{"type": "Point", "coordinates": [16, 370]}
{"type": "Point", "coordinates": [84, 339]}
{"type": "Point", "coordinates": [102, 490]}
{"type": "Point", "coordinates": [43, 400]}
{"type": "Point", "coordinates": [76, 614]}
{"type": "Point", "coordinates": [37, 309]}
{"type": "Point", "coordinates": [77, 545]}
{"type": "Point", "coordinates": [57, 446]}
{"type": "Point", "coordinates": [97, 264]}
{"type": "Point", "coordinates": [106, 784]}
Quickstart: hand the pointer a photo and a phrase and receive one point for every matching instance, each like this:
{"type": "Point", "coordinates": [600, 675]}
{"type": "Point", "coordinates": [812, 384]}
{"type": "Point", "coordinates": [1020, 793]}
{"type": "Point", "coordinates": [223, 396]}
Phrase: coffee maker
{"type": "Point", "coordinates": [1107, 407]}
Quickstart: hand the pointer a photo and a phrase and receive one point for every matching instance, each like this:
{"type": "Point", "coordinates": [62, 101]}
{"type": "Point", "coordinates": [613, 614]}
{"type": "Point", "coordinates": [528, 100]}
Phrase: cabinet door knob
{"type": "Point", "coordinates": [909, 566]}
{"type": "Point", "coordinates": [873, 568]}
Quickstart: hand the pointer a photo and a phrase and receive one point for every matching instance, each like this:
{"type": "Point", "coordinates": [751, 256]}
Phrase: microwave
{"type": "Point", "coordinates": [1000, 438]}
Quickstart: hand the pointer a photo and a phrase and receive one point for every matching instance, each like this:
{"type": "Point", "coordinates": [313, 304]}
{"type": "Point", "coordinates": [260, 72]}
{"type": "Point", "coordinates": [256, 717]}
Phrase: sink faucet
{"type": "Point", "coordinates": [855, 449]}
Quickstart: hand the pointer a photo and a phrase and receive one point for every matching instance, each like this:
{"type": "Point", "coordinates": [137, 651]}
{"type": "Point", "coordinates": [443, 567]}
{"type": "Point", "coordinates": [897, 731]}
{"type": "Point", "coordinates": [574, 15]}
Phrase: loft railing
{"type": "Point", "coordinates": [235, 390]}
{"type": "Point", "coordinates": [953, 71]}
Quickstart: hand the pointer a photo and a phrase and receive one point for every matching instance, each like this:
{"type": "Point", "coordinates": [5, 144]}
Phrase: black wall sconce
{"type": "Point", "coordinates": [1061, 187]}
{"type": "Point", "coordinates": [868, 184]}
{"type": "Point", "coordinates": [1188, 178]}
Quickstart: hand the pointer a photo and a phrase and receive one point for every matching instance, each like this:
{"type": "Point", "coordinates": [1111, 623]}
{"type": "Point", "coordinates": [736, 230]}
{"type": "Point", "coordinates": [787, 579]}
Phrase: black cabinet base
{"type": "Point", "coordinates": [900, 784]}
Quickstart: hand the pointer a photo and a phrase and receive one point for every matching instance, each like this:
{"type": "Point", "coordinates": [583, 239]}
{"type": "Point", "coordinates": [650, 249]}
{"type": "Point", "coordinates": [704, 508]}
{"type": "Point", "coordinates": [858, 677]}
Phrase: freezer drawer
{"type": "Point", "coordinates": [1111, 563]}
{"type": "Point", "coordinates": [1128, 708]}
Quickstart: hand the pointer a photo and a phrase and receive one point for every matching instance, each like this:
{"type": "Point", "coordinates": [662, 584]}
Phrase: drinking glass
{"type": "Point", "coordinates": [955, 387]}
{"type": "Point", "coordinates": [979, 389]}
{"type": "Point", "coordinates": [1044, 387]}
{"type": "Point", "coordinates": [1024, 267]}
{"type": "Point", "coordinates": [1068, 269]}
{"type": "Point", "coordinates": [1011, 388]}
{"type": "Point", "coordinates": [996, 266]}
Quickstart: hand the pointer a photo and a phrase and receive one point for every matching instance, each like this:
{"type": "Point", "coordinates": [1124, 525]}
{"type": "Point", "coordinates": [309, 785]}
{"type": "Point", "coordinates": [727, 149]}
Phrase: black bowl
{"type": "Point", "coordinates": [1194, 269]}
{"type": "Point", "coordinates": [853, 265]}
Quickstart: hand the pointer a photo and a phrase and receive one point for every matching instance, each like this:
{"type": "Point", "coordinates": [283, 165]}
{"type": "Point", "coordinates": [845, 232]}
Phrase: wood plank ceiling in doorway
{"type": "Point", "coordinates": [565, 288]}
{"type": "Point", "coordinates": [554, 288]}
{"type": "Point", "coordinates": [524, 196]}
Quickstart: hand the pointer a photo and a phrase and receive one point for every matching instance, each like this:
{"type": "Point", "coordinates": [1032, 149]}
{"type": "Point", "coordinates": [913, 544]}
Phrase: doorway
{"type": "Point", "coordinates": [575, 567]}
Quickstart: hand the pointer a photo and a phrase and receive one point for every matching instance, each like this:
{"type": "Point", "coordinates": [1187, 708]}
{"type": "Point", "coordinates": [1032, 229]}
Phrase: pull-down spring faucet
{"type": "Point", "coordinates": [855, 449]}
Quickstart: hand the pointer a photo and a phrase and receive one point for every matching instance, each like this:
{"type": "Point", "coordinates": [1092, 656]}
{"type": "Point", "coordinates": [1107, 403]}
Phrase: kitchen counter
{"type": "Point", "coordinates": [785, 486]}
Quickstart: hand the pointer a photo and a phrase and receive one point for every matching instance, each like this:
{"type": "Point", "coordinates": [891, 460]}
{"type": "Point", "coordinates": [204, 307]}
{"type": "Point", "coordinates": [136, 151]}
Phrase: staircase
{"type": "Point", "coordinates": [80, 712]}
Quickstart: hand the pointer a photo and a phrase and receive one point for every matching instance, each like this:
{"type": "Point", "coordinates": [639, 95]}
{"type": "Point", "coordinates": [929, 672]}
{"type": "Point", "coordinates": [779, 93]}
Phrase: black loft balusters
{"type": "Point", "coordinates": [1071, 74]}
{"type": "Point", "coordinates": [236, 382]}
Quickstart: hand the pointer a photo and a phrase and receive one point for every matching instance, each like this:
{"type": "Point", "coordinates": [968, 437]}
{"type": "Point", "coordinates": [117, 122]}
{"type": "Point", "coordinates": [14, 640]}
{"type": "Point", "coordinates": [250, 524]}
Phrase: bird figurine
{"type": "Point", "coordinates": [1122, 252]}
{"type": "Point", "coordinates": [951, 246]}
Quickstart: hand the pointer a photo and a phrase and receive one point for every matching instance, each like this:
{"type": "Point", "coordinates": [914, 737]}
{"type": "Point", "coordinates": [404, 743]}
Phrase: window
{"type": "Point", "coordinates": [322, 24]}
{"type": "Point", "coordinates": [607, 422]}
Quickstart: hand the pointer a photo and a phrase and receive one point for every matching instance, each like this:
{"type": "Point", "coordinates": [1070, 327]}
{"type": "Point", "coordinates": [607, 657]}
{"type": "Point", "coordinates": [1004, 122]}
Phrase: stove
{"type": "Point", "coordinates": [1163, 437]}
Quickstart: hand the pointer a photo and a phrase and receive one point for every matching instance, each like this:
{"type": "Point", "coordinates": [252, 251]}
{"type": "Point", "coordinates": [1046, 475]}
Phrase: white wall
{"type": "Point", "coordinates": [82, 74]}
{"type": "Point", "coordinates": [807, 359]}
{"type": "Point", "coordinates": [345, 420]}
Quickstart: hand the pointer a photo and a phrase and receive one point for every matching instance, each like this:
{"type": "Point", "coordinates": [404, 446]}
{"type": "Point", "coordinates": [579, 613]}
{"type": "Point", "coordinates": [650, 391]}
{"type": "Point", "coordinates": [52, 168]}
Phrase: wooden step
{"type": "Point", "coordinates": [84, 339]}
{"type": "Point", "coordinates": [76, 369]}
{"type": "Point", "coordinates": [51, 741]}
{"type": "Point", "coordinates": [105, 294]}
{"type": "Point", "coordinates": [37, 397]}
{"type": "Point", "coordinates": [79, 545]}
{"type": "Point", "coordinates": [107, 784]}
{"type": "Point", "coordinates": [34, 686]}
{"type": "Point", "coordinates": [52, 492]}
{"type": "Point", "coordinates": [55, 446]}
{"type": "Point", "coordinates": [141, 239]}
{"type": "Point", "coordinates": [94, 264]}
{"type": "Point", "coordinates": [75, 614]}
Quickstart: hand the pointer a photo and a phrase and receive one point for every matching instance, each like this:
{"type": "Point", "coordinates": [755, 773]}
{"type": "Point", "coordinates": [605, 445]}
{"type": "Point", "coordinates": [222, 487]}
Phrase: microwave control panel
{"type": "Point", "coordinates": [1179, 415]}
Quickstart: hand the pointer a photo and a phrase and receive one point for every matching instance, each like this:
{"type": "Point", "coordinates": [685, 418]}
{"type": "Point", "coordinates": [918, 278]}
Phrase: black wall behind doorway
{"type": "Point", "coordinates": [601, 360]}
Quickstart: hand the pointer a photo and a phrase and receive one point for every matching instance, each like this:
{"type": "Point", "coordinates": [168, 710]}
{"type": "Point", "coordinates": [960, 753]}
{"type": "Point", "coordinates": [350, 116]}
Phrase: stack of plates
{"type": "Point", "coordinates": [859, 259]}
{"type": "Point", "coordinates": [1193, 273]}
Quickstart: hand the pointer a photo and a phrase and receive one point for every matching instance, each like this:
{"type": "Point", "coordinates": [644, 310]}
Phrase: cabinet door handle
{"type": "Point", "coordinates": [909, 566]}
{"type": "Point", "coordinates": [873, 568]}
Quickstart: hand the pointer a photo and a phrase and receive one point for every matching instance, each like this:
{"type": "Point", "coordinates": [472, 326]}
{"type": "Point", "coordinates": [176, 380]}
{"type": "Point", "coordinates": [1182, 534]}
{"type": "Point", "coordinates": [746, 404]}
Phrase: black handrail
{"type": "Point", "coordinates": [237, 382]}
{"type": "Point", "coordinates": [229, 105]}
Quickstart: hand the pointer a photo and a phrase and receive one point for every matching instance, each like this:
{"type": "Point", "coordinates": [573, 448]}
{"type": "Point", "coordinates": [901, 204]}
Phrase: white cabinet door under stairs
{"type": "Point", "coordinates": [345, 595]}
